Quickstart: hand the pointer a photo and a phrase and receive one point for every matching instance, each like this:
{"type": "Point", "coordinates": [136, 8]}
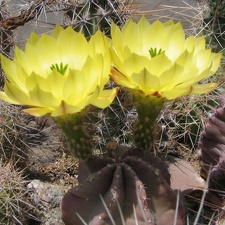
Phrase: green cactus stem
{"type": "Point", "coordinates": [89, 16]}
{"type": "Point", "coordinates": [148, 108]}
{"type": "Point", "coordinates": [77, 133]}
{"type": "Point", "coordinates": [213, 24]}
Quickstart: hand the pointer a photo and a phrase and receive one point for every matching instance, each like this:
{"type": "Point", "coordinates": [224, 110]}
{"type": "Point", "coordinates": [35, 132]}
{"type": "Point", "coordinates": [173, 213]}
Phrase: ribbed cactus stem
{"type": "Point", "coordinates": [148, 108]}
{"type": "Point", "coordinates": [88, 12]}
{"type": "Point", "coordinates": [77, 134]}
{"type": "Point", "coordinates": [91, 15]}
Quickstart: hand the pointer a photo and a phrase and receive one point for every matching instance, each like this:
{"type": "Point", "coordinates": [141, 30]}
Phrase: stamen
{"type": "Point", "coordinates": [60, 68]}
{"type": "Point", "coordinates": [154, 52]}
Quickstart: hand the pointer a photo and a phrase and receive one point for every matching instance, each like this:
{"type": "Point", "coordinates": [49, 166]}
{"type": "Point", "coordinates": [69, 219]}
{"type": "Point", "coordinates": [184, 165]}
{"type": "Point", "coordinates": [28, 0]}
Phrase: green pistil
{"type": "Point", "coordinates": [154, 52]}
{"type": "Point", "coordinates": [60, 68]}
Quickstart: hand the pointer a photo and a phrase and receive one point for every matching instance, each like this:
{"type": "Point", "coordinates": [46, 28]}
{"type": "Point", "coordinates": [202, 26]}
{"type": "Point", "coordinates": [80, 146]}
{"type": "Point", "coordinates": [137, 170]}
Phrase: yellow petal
{"type": "Point", "coordinates": [131, 33]}
{"type": "Point", "coordinates": [10, 69]}
{"type": "Point", "coordinates": [117, 39]}
{"type": "Point", "coordinates": [57, 31]}
{"type": "Point", "coordinates": [74, 48]}
{"type": "Point", "coordinates": [74, 88]}
{"type": "Point", "coordinates": [64, 109]}
{"type": "Point", "coordinates": [171, 77]}
{"type": "Point", "coordinates": [9, 98]}
{"type": "Point", "coordinates": [104, 98]}
{"type": "Point", "coordinates": [15, 95]}
{"type": "Point", "coordinates": [99, 43]}
{"type": "Point", "coordinates": [119, 78]}
{"type": "Point", "coordinates": [203, 88]}
{"type": "Point", "coordinates": [42, 98]}
{"type": "Point", "coordinates": [175, 93]}
{"type": "Point", "coordinates": [33, 39]}
{"type": "Point", "coordinates": [216, 58]}
{"type": "Point", "coordinates": [146, 81]}
{"type": "Point", "coordinates": [36, 111]}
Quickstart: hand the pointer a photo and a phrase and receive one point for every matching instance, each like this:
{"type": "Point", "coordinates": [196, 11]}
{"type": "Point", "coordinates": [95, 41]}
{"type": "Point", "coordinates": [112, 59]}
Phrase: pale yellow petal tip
{"type": "Point", "coordinates": [203, 88]}
{"type": "Point", "coordinates": [6, 98]}
{"type": "Point", "coordinates": [105, 98]}
{"type": "Point", "coordinates": [65, 109]}
{"type": "Point", "coordinates": [36, 111]}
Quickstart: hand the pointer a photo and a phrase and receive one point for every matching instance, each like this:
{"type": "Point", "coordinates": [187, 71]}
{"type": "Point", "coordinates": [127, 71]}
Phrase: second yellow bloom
{"type": "Point", "coordinates": [157, 60]}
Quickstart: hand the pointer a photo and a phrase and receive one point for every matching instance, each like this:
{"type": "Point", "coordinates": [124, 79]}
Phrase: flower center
{"type": "Point", "coordinates": [154, 52]}
{"type": "Point", "coordinates": [60, 68]}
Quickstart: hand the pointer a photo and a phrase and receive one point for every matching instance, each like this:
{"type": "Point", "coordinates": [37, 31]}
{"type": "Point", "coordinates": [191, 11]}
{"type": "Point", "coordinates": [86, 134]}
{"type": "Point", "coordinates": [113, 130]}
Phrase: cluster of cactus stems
{"type": "Point", "coordinates": [129, 185]}
{"type": "Point", "coordinates": [5, 35]}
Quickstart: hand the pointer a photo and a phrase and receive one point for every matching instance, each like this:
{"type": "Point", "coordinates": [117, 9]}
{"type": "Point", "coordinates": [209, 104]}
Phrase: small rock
{"type": "Point", "coordinates": [47, 199]}
{"type": "Point", "coordinates": [184, 176]}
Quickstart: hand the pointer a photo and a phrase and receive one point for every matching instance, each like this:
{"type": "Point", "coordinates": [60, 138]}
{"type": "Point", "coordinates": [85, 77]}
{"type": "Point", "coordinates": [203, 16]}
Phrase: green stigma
{"type": "Point", "coordinates": [60, 68]}
{"type": "Point", "coordinates": [154, 52]}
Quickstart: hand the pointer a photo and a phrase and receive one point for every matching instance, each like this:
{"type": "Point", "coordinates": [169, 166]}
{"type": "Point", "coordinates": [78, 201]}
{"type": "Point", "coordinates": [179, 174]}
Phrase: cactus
{"type": "Point", "coordinates": [183, 120]}
{"type": "Point", "coordinates": [113, 123]}
{"type": "Point", "coordinates": [148, 109]}
{"type": "Point", "coordinates": [212, 144]}
{"type": "Point", "coordinates": [6, 36]}
{"type": "Point", "coordinates": [76, 131]}
{"type": "Point", "coordinates": [123, 187]}
{"type": "Point", "coordinates": [14, 207]}
{"type": "Point", "coordinates": [89, 16]}
{"type": "Point", "coordinates": [12, 139]}
{"type": "Point", "coordinates": [212, 158]}
{"type": "Point", "coordinates": [16, 134]}
{"type": "Point", "coordinates": [214, 24]}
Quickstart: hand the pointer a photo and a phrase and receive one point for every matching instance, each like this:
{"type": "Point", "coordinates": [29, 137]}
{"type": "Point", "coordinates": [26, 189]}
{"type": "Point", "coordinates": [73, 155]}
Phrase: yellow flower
{"type": "Point", "coordinates": [157, 60]}
{"type": "Point", "coordinates": [59, 73]}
